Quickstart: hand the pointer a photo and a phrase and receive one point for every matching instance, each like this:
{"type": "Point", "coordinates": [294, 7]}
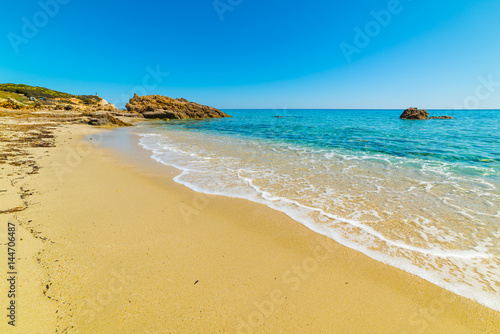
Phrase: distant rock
{"type": "Point", "coordinates": [414, 113]}
{"type": "Point", "coordinates": [441, 117]}
{"type": "Point", "coordinates": [164, 107]}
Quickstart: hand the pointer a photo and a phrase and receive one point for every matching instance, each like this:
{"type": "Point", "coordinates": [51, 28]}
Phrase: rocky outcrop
{"type": "Point", "coordinates": [162, 114]}
{"type": "Point", "coordinates": [414, 113]}
{"type": "Point", "coordinates": [164, 107]}
{"type": "Point", "coordinates": [105, 105]}
{"type": "Point", "coordinates": [124, 114]}
{"type": "Point", "coordinates": [104, 120]}
{"type": "Point", "coordinates": [441, 117]}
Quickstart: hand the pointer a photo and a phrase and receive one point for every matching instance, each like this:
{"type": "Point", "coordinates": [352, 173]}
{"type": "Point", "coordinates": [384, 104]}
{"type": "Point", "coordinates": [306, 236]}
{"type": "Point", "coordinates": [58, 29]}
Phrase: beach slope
{"type": "Point", "coordinates": [109, 243]}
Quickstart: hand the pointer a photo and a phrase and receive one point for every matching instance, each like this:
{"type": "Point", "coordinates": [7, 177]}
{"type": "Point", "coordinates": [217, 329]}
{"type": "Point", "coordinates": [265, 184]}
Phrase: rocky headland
{"type": "Point", "coordinates": [26, 97]}
{"type": "Point", "coordinates": [40, 104]}
{"type": "Point", "coordinates": [164, 107]}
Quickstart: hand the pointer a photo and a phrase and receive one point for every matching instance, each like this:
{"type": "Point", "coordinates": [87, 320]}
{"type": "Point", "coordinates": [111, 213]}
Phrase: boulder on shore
{"type": "Point", "coordinates": [103, 120]}
{"type": "Point", "coordinates": [414, 113]}
{"type": "Point", "coordinates": [164, 107]}
{"type": "Point", "coordinates": [162, 114]}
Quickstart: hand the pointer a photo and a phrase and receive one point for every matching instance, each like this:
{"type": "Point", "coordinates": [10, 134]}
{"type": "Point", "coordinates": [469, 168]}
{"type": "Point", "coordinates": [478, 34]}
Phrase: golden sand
{"type": "Point", "coordinates": [108, 244]}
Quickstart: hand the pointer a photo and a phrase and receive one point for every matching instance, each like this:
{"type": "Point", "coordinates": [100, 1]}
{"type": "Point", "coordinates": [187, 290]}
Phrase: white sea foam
{"type": "Point", "coordinates": [420, 217]}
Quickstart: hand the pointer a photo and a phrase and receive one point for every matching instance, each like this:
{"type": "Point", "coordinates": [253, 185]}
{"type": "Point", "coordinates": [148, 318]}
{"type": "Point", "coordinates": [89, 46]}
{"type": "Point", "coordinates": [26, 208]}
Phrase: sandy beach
{"type": "Point", "coordinates": [107, 242]}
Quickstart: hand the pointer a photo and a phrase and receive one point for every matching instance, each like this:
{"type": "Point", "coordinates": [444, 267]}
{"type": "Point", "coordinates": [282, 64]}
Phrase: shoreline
{"type": "Point", "coordinates": [130, 249]}
{"type": "Point", "coordinates": [256, 187]}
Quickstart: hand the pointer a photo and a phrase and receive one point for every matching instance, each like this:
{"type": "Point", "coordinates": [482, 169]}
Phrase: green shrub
{"type": "Point", "coordinates": [45, 93]}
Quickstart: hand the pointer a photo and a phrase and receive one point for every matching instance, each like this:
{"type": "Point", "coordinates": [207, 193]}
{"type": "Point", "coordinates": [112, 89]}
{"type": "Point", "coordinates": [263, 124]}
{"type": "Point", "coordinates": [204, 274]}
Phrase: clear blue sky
{"type": "Point", "coordinates": [259, 54]}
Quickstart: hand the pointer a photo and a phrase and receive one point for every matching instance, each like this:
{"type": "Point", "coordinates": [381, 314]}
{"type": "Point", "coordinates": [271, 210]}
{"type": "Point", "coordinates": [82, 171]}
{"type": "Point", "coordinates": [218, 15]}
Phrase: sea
{"type": "Point", "coordinates": [422, 196]}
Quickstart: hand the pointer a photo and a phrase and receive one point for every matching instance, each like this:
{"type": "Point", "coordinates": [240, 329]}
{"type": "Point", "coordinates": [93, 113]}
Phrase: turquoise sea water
{"type": "Point", "coordinates": [423, 196]}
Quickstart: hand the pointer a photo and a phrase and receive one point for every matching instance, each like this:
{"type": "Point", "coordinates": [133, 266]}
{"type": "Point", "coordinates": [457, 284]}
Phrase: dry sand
{"type": "Point", "coordinates": [109, 243]}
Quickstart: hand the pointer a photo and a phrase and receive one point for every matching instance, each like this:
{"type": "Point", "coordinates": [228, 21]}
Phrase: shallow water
{"type": "Point", "coordinates": [423, 196]}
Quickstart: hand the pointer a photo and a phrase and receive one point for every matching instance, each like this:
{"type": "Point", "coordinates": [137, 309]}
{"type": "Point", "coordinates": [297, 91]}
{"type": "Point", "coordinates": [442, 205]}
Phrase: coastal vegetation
{"type": "Point", "coordinates": [45, 93]}
{"type": "Point", "coordinates": [16, 99]}
{"type": "Point", "coordinates": [21, 96]}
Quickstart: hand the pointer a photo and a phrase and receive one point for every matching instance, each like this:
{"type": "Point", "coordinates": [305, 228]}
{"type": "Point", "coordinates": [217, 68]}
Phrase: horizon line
{"type": "Point", "coordinates": [357, 109]}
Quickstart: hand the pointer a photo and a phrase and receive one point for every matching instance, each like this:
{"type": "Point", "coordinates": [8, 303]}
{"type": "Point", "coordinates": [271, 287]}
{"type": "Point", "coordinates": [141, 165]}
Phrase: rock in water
{"type": "Point", "coordinates": [157, 106]}
{"type": "Point", "coordinates": [414, 113]}
{"type": "Point", "coordinates": [441, 117]}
